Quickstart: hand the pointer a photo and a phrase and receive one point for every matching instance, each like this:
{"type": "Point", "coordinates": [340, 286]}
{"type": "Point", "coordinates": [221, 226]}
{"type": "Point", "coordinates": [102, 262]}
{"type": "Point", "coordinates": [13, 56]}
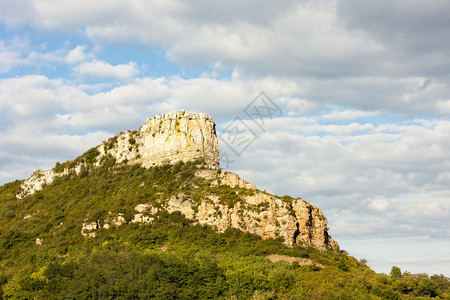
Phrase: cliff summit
{"type": "Point", "coordinates": [176, 136]}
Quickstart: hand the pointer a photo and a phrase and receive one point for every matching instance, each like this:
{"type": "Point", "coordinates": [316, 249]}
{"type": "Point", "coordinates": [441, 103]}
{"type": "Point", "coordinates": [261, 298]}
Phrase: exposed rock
{"type": "Point", "coordinates": [226, 178]}
{"type": "Point", "coordinates": [290, 259]}
{"type": "Point", "coordinates": [41, 178]}
{"type": "Point", "coordinates": [143, 213]}
{"type": "Point", "coordinates": [141, 218]}
{"type": "Point", "coordinates": [38, 241]}
{"type": "Point", "coordinates": [36, 182]}
{"type": "Point", "coordinates": [295, 222]}
{"type": "Point", "coordinates": [169, 138]}
{"type": "Point", "coordinates": [312, 227]}
{"type": "Point", "coordinates": [142, 208]}
{"type": "Point", "coordinates": [89, 229]}
{"type": "Point", "coordinates": [112, 220]}
{"type": "Point", "coordinates": [182, 204]}
{"type": "Point", "coordinates": [262, 214]}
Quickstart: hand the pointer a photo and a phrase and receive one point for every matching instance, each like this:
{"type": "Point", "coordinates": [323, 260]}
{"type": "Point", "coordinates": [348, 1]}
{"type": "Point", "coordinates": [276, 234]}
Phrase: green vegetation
{"type": "Point", "coordinates": [112, 142]}
{"type": "Point", "coordinates": [88, 158]}
{"type": "Point", "coordinates": [170, 258]}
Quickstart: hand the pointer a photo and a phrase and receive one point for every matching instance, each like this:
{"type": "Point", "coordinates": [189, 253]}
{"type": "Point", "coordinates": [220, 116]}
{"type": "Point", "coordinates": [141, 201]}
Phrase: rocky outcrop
{"type": "Point", "coordinates": [225, 178]}
{"type": "Point", "coordinates": [294, 222]}
{"type": "Point", "coordinates": [112, 220]}
{"type": "Point", "coordinates": [89, 228]}
{"type": "Point", "coordinates": [169, 138]}
{"type": "Point", "coordinates": [143, 211]}
{"type": "Point", "coordinates": [41, 178]}
{"type": "Point", "coordinates": [36, 182]}
{"type": "Point", "coordinates": [312, 226]}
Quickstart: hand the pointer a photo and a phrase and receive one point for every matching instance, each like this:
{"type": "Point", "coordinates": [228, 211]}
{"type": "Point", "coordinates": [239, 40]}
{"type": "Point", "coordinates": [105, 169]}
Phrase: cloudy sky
{"type": "Point", "coordinates": [361, 89]}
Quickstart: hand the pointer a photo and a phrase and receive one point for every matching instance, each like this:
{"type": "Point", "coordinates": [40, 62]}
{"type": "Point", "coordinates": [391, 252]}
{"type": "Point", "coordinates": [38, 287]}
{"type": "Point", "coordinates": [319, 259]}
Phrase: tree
{"type": "Point", "coordinates": [427, 287]}
{"type": "Point", "coordinates": [396, 272]}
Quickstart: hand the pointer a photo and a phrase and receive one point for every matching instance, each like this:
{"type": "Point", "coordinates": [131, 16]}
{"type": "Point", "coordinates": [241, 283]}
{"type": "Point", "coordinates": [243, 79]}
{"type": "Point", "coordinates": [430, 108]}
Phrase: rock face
{"type": "Point", "coordinates": [36, 182]}
{"type": "Point", "coordinates": [41, 178]}
{"type": "Point", "coordinates": [265, 215]}
{"type": "Point", "coordinates": [184, 136]}
{"type": "Point", "coordinates": [176, 136]}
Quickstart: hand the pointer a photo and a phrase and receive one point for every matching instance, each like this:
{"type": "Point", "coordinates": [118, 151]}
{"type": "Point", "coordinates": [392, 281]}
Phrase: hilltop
{"type": "Point", "coordinates": [218, 198]}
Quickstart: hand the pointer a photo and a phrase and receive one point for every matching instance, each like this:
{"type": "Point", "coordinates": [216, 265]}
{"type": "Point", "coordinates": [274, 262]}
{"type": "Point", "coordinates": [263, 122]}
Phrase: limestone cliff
{"type": "Point", "coordinates": [295, 221]}
{"type": "Point", "coordinates": [176, 136]}
{"type": "Point", "coordinates": [265, 215]}
{"type": "Point", "coordinates": [184, 136]}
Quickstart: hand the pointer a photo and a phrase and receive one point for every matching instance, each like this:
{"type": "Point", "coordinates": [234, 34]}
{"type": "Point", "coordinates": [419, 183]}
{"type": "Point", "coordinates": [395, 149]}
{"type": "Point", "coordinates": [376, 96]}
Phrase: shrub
{"type": "Point", "coordinates": [13, 237]}
{"type": "Point", "coordinates": [90, 156]}
{"type": "Point", "coordinates": [427, 287]}
{"type": "Point", "coordinates": [38, 196]}
{"type": "Point", "coordinates": [395, 272]}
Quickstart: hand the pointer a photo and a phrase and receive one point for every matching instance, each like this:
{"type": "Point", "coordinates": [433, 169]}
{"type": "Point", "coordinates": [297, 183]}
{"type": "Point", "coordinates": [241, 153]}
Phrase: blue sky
{"type": "Point", "coordinates": [364, 90]}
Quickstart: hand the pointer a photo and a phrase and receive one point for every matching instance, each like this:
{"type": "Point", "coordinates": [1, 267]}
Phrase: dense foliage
{"type": "Point", "coordinates": [170, 258]}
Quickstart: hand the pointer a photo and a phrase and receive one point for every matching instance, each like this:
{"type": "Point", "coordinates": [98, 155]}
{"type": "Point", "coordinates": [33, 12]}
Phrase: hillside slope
{"type": "Point", "coordinates": [45, 256]}
{"type": "Point", "coordinates": [105, 226]}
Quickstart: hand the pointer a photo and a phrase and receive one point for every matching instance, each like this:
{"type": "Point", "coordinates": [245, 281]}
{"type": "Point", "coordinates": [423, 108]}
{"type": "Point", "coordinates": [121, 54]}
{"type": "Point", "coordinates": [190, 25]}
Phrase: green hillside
{"type": "Point", "coordinates": [170, 258]}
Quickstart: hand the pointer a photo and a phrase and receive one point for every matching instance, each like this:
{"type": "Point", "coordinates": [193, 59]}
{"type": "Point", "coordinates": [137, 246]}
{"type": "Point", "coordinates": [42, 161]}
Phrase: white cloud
{"type": "Point", "coordinates": [299, 106]}
{"type": "Point", "coordinates": [15, 13]}
{"type": "Point", "coordinates": [295, 38]}
{"type": "Point", "coordinates": [349, 114]}
{"type": "Point", "coordinates": [19, 53]}
{"type": "Point", "coordinates": [378, 205]}
{"type": "Point", "coordinates": [11, 54]}
{"type": "Point", "coordinates": [78, 55]}
{"type": "Point", "coordinates": [69, 15]}
{"type": "Point", "coordinates": [103, 70]}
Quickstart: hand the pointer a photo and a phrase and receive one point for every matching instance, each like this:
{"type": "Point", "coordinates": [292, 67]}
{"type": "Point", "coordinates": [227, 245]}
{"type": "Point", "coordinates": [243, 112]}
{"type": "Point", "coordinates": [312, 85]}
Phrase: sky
{"type": "Point", "coordinates": [344, 103]}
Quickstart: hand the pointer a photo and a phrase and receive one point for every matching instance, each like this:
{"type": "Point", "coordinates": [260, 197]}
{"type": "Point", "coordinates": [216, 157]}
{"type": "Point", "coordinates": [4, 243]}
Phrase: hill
{"type": "Point", "coordinates": [120, 222]}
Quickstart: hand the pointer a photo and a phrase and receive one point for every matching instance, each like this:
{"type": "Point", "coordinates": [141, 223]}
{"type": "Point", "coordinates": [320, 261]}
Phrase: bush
{"type": "Point", "coordinates": [395, 272]}
{"type": "Point", "coordinates": [280, 279]}
{"type": "Point", "coordinates": [13, 238]}
{"type": "Point", "coordinates": [38, 196]}
{"type": "Point", "coordinates": [90, 156]}
{"type": "Point", "coordinates": [9, 210]}
{"type": "Point", "coordinates": [427, 287]}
